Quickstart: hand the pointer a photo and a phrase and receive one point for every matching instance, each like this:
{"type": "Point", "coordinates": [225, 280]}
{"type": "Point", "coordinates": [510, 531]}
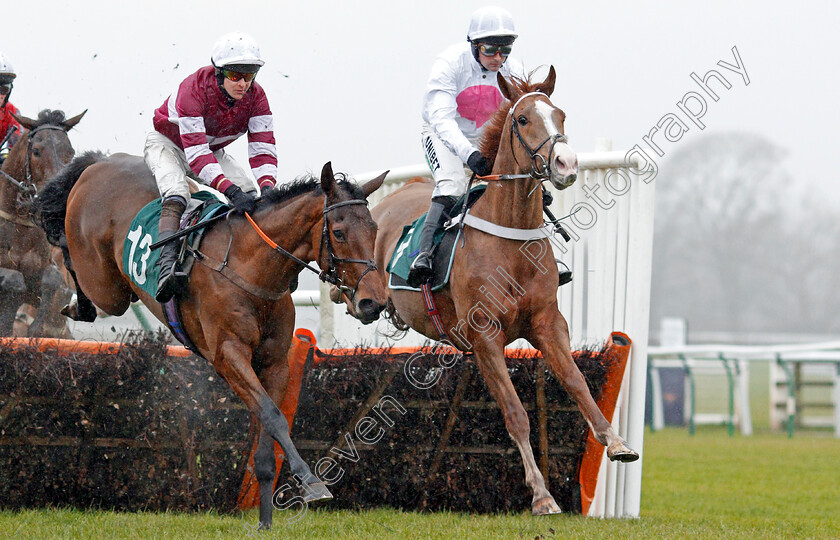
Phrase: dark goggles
{"type": "Point", "coordinates": [490, 50]}
{"type": "Point", "coordinates": [5, 89]}
{"type": "Point", "coordinates": [235, 76]}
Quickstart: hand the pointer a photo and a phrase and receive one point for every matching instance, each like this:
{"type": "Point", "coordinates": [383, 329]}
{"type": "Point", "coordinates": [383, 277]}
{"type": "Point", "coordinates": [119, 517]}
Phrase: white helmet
{"type": "Point", "coordinates": [7, 72]}
{"type": "Point", "coordinates": [491, 21]}
{"type": "Point", "coordinates": [236, 48]}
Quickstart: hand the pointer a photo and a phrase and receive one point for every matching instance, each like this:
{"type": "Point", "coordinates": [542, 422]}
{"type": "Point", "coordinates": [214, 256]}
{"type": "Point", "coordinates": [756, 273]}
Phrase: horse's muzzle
{"type": "Point", "coordinates": [368, 310]}
{"type": "Point", "coordinates": [562, 182]}
{"type": "Point", "coordinates": [563, 166]}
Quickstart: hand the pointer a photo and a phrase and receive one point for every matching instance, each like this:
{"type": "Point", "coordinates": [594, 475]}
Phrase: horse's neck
{"type": "Point", "coordinates": [511, 203]}
{"type": "Point", "coordinates": [293, 225]}
{"type": "Point", "coordinates": [8, 191]}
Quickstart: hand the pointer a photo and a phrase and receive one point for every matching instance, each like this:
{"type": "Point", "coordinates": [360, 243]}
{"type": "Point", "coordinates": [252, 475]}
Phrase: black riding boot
{"type": "Point", "coordinates": [421, 269]}
{"type": "Point", "coordinates": [170, 280]}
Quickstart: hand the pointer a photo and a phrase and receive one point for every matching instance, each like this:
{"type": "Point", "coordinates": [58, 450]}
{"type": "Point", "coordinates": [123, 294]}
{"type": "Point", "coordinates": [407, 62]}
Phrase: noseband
{"type": "Point", "coordinates": [540, 168]}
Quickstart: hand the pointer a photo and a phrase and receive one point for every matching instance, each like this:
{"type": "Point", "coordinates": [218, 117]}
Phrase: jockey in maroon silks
{"type": "Point", "coordinates": [209, 110]}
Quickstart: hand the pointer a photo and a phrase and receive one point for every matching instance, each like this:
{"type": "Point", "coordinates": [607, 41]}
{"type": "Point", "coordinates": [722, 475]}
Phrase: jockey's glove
{"type": "Point", "coordinates": [479, 164]}
{"type": "Point", "coordinates": [265, 189]}
{"type": "Point", "coordinates": [242, 201]}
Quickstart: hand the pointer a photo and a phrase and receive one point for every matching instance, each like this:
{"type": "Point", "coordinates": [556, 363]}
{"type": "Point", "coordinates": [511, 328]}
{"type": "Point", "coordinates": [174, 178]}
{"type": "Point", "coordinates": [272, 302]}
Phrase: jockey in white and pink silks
{"type": "Point", "coordinates": [209, 110]}
{"type": "Point", "coordinates": [461, 95]}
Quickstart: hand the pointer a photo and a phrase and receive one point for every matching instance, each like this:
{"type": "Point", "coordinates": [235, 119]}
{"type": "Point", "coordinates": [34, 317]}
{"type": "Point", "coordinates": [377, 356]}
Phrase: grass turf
{"type": "Point", "coordinates": [705, 486]}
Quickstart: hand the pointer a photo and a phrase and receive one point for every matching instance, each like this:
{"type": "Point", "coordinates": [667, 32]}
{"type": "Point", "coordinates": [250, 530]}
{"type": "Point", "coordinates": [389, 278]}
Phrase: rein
{"type": "Point", "coordinates": [330, 275]}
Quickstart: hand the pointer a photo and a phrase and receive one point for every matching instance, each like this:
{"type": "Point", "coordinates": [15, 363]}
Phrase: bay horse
{"type": "Point", "coordinates": [28, 277]}
{"type": "Point", "coordinates": [238, 313]}
{"type": "Point", "coordinates": [496, 294]}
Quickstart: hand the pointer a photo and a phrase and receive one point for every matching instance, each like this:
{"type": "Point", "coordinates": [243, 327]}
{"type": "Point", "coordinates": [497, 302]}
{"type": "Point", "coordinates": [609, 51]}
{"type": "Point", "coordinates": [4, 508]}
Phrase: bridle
{"type": "Point", "coordinates": [540, 169]}
{"type": "Point", "coordinates": [27, 188]}
{"type": "Point", "coordinates": [330, 273]}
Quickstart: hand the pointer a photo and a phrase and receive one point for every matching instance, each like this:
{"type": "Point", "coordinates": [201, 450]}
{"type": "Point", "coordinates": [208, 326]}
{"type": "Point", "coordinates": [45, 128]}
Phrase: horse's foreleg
{"type": "Point", "coordinates": [551, 337]}
{"type": "Point", "coordinates": [48, 321]}
{"type": "Point", "coordinates": [492, 366]}
{"type": "Point", "coordinates": [12, 291]}
{"type": "Point", "coordinates": [265, 469]}
{"type": "Point", "coordinates": [233, 362]}
{"type": "Point", "coordinates": [274, 377]}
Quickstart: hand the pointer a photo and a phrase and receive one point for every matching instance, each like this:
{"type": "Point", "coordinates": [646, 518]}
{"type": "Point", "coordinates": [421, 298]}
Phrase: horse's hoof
{"type": "Point", "coordinates": [621, 452]}
{"type": "Point", "coordinates": [316, 491]}
{"type": "Point", "coordinates": [545, 507]}
{"type": "Point", "coordinates": [263, 526]}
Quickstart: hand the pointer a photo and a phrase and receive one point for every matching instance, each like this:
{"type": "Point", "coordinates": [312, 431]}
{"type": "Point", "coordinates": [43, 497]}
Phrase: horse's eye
{"type": "Point", "coordinates": [339, 236]}
{"type": "Point", "coordinates": [522, 120]}
{"type": "Point", "coordinates": [36, 152]}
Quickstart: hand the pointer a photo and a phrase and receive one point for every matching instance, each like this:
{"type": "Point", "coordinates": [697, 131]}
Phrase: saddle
{"type": "Point", "coordinates": [443, 252]}
{"type": "Point", "coordinates": [140, 261]}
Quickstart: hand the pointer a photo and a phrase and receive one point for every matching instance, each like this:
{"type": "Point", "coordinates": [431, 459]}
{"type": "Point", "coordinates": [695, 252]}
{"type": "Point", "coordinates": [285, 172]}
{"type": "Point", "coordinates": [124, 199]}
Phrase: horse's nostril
{"type": "Point", "coordinates": [366, 305]}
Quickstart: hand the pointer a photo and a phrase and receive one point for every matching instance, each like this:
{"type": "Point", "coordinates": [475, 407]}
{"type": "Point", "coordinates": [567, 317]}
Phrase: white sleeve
{"type": "Point", "coordinates": [440, 108]}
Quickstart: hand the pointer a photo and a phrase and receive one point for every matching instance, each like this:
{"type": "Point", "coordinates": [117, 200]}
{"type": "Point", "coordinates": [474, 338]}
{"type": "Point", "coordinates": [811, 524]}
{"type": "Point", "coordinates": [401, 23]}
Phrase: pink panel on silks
{"type": "Point", "coordinates": [478, 103]}
{"type": "Point", "coordinates": [619, 347]}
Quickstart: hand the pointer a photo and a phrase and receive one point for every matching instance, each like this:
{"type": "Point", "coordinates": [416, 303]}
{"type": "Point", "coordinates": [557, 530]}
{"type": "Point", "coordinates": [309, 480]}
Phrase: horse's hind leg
{"type": "Point", "coordinates": [80, 308]}
{"type": "Point", "coordinates": [491, 363]}
{"type": "Point", "coordinates": [550, 334]}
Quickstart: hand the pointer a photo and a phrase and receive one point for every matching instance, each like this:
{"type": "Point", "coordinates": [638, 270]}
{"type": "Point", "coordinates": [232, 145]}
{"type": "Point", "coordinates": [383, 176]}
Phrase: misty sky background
{"type": "Point", "coordinates": [345, 79]}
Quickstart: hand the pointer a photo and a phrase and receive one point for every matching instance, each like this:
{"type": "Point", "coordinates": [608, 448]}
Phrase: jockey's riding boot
{"type": "Point", "coordinates": [170, 280]}
{"type": "Point", "coordinates": [421, 269]}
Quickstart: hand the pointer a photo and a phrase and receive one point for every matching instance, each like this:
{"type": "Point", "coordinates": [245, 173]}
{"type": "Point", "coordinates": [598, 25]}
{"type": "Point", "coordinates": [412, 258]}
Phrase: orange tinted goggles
{"type": "Point", "coordinates": [235, 76]}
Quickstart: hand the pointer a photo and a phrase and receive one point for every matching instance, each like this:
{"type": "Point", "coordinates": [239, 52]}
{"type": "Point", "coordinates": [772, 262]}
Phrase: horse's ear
{"type": "Point", "coordinates": [547, 86]}
{"type": "Point", "coordinates": [327, 178]}
{"type": "Point", "coordinates": [69, 124]}
{"type": "Point", "coordinates": [28, 123]}
{"type": "Point", "coordinates": [372, 185]}
{"type": "Point", "coordinates": [508, 90]}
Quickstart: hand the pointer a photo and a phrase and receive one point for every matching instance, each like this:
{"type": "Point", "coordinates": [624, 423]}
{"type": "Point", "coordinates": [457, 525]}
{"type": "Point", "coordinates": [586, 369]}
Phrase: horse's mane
{"type": "Point", "coordinates": [50, 208]}
{"type": "Point", "coordinates": [492, 137]}
{"type": "Point", "coordinates": [49, 117]}
{"type": "Point", "coordinates": [309, 184]}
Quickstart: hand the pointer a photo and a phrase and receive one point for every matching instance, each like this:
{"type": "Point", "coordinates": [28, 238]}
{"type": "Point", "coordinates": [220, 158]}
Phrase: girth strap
{"type": "Point", "coordinates": [432, 310]}
{"type": "Point", "coordinates": [522, 235]}
{"type": "Point", "coordinates": [235, 278]}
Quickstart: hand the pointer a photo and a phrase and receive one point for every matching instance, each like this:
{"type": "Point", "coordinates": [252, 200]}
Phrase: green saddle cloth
{"type": "Point", "coordinates": [408, 248]}
{"type": "Point", "coordinates": [139, 261]}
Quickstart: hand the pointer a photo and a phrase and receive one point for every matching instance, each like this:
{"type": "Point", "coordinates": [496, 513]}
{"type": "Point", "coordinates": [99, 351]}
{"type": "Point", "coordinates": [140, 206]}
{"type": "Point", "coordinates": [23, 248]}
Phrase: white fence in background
{"type": "Point", "coordinates": [610, 256]}
{"type": "Point", "coordinates": [793, 369]}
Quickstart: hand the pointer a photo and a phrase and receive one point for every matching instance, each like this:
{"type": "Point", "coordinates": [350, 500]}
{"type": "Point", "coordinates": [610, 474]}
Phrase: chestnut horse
{"type": "Point", "coordinates": [238, 314]}
{"type": "Point", "coordinates": [28, 277]}
{"type": "Point", "coordinates": [496, 294]}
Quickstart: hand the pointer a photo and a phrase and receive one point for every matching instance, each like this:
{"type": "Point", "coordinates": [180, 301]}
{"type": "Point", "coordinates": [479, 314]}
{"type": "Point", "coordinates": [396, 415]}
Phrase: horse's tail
{"type": "Point", "coordinates": [50, 208]}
